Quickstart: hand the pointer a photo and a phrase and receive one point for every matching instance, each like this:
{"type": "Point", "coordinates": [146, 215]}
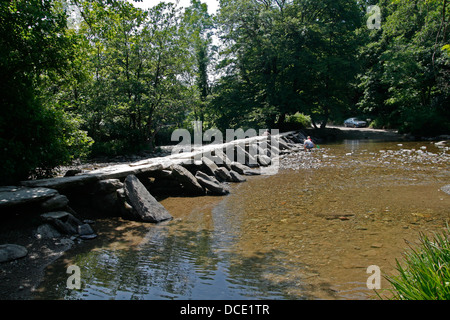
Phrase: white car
{"type": "Point", "coordinates": [355, 123]}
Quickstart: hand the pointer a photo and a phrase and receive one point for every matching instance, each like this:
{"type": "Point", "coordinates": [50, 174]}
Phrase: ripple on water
{"type": "Point", "coordinates": [310, 231]}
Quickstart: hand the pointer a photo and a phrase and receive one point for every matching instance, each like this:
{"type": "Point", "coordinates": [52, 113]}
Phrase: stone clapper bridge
{"type": "Point", "coordinates": [124, 189]}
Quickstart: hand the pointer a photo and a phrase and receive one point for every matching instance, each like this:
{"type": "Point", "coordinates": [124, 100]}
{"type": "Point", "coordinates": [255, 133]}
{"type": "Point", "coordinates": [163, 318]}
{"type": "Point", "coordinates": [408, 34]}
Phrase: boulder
{"type": "Point", "coordinates": [67, 224]}
{"type": "Point", "coordinates": [209, 166]}
{"type": "Point", "coordinates": [145, 206]}
{"type": "Point", "coordinates": [46, 231]}
{"type": "Point", "coordinates": [72, 172]}
{"type": "Point", "coordinates": [211, 183]}
{"type": "Point", "coordinates": [245, 157]}
{"type": "Point", "coordinates": [252, 172]}
{"type": "Point", "coordinates": [56, 202]}
{"type": "Point", "coordinates": [107, 186]}
{"type": "Point", "coordinates": [85, 231]}
{"type": "Point", "coordinates": [236, 177]}
{"type": "Point", "coordinates": [223, 174]}
{"type": "Point", "coordinates": [263, 160]}
{"type": "Point", "coordinates": [223, 159]}
{"type": "Point", "coordinates": [10, 252]}
{"type": "Point", "coordinates": [238, 167]}
{"type": "Point", "coordinates": [187, 179]}
{"type": "Point", "coordinates": [63, 221]}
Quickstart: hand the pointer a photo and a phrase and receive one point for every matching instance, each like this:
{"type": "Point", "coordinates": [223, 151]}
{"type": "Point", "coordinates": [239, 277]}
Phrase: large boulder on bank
{"type": "Point", "coordinates": [187, 180]}
{"type": "Point", "coordinates": [10, 252]}
{"type": "Point", "coordinates": [211, 183]}
{"type": "Point", "coordinates": [145, 206]}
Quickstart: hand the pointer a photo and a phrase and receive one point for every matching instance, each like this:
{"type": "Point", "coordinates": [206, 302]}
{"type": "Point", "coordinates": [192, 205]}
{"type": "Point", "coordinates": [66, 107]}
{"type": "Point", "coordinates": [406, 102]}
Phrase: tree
{"type": "Point", "coordinates": [36, 134]}
{"type": "Point", "coordinates": [406, 82]}
{"type": "Point", "coordinates": [291, 56]}
{"type": "Point", "coordinates": [199, 25]}
{"type": "Point", "coordinates": [138, 59]}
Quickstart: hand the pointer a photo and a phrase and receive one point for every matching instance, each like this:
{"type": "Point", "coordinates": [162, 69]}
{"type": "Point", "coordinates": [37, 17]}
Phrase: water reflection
{"type": "Point", "coordinates": [309, 232]}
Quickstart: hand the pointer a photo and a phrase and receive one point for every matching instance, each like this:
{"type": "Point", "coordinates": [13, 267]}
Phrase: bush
{"type": "Point", "coordinates": [426, 275]}
{"type": "Point", "coordinates": [36, 139]}
{"type": "Point", "coordinates": [296, 122]}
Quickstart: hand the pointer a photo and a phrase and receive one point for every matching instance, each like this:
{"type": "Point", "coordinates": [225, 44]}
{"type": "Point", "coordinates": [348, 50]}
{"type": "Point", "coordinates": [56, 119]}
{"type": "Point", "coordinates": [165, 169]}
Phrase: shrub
{"type": "Point", "coordinates": [296, 121]}
{"type": "Point", "coordinates": [426, 274]}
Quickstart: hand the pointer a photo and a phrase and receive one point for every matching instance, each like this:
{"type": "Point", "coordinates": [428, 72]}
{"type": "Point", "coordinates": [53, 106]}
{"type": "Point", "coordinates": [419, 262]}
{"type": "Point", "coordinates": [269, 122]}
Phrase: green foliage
{"type": "Point", "coordinates": [425, 273]}
{"type": "Point", "coordinates": [287, 57]}
{"type": "Point", "coordinates": [405, 83]}
{"type": "Point", "coordinates": [139, 64]}
{"type": "Point", "coordinates": [296, 121]}
{"type": "Point", "coordinates": [35, 135]}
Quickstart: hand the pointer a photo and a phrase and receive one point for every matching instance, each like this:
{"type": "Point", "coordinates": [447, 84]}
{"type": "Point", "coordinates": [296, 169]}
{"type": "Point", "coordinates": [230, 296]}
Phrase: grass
{"type": "Point", "coordinates": [425, 273]}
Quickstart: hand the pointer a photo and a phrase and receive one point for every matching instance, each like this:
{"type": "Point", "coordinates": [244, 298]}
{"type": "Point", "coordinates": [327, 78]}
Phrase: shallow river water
{"type": "Point", "coordinates": [308, 232]}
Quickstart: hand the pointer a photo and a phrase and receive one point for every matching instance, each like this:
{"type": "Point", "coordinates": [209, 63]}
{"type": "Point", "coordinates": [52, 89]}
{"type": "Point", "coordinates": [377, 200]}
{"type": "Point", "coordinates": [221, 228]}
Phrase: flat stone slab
{"type": "Point", "coordinates": [10, 252]}
{"type": "Point", "coordinates": [11, 196]}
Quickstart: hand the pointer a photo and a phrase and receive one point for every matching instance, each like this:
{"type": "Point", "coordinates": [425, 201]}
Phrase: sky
{"type": "Point", "coordinates": [145, 4]}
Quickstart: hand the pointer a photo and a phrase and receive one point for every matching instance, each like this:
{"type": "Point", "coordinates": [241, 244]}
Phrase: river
{"type": "Point", "coordinates": [308, 232]}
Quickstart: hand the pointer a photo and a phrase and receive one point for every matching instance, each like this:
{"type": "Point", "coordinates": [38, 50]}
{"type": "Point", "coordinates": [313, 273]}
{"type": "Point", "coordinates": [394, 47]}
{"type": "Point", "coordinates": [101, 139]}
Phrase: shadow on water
{"type": "Point", "coordinates": [309, 232]}
{"type": "Point", "coordinates": [159, 262]}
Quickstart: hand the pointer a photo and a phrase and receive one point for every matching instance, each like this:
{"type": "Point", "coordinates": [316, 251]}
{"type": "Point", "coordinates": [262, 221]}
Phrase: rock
{"type": "Point", "coordinates": [72, 172]}
{"type": "Point", "coordinates": [145, 206]}
{"type": "Point", "coordinates": [187, 179]}
{"type": "Point", "coordinates": [223, 160]}
{"type": "Point", "coordinates": [46, 231]}
{"type": "Point", "coordinates": [10, 252]}
{"type": "Point", "coordinates": [223, 174]}
{"type": "Point", "coordinates": [238, 167]}
{"type": "Point", "coordinates": [211, 183]}
{"type": "Point", "coordinates": [209, 166]}
{"type": "Point", "coordinates": [107, 204]}
{"type": "Point", "coordinates": [10, 196]}
{"type": "Point", "coordinates": [237, 177]}
{"type": "Point", "coordinates": [63, 221]}
{"type": "Point", "coordinates": [60, 215]}
{"type": "Point", "coordinates": [252, 172]}
{"type": "Point", "coordinates": [245, 157]}
{"type": "Point", "coordinates": [58, 201]}
{"type": "Point", "coordinates": [107, 186]}
{"type": "Point", "coordinates": [60, 220]}
{"type": "Point", "coordinates": [263, 160]}
{"type": "Point", "coordinates": [85, 231]}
